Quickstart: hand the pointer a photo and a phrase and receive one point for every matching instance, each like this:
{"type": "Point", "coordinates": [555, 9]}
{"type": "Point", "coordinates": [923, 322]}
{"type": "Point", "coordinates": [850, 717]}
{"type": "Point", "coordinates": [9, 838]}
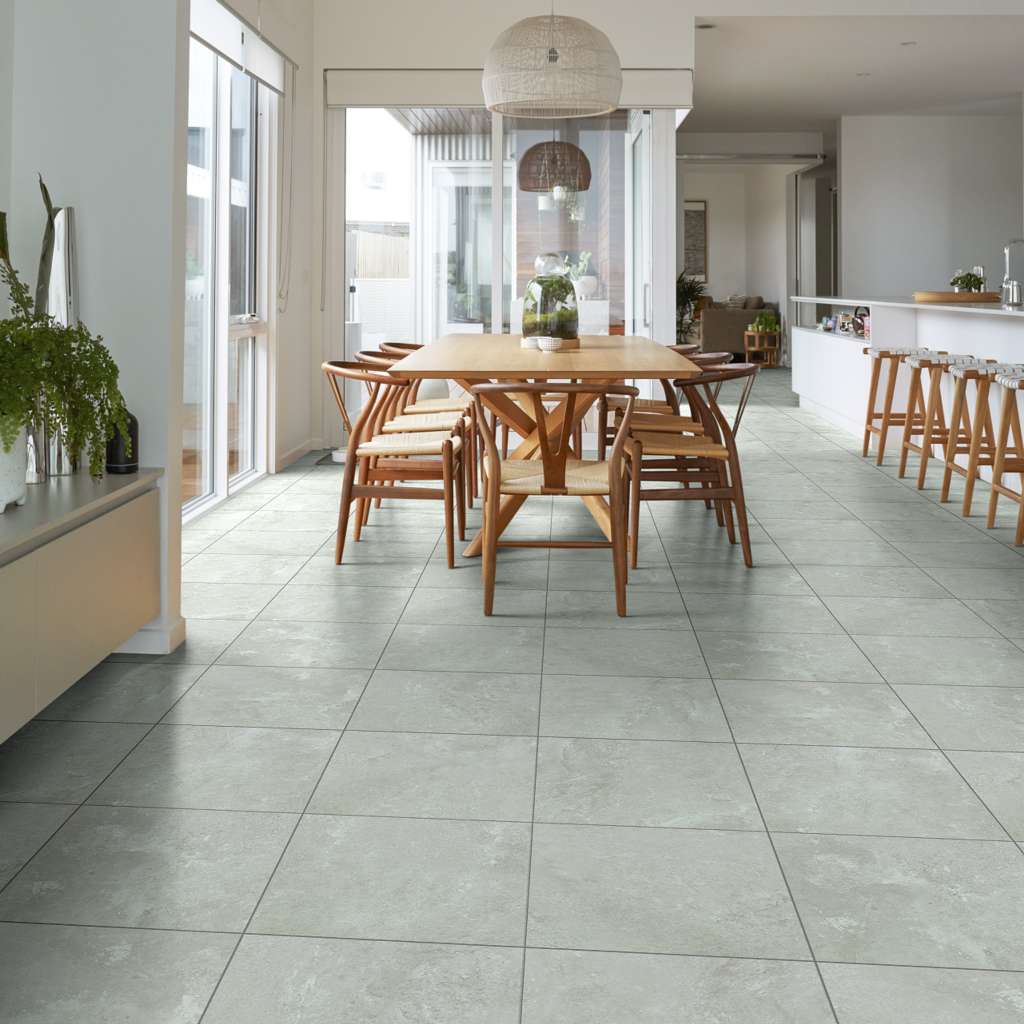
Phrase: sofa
{"type": "Point", "coordinates": [722, 323]}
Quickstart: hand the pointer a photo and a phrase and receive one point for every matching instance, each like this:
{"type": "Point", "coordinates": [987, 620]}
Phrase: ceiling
{"type": "Point", "coordinates": [800, 74]}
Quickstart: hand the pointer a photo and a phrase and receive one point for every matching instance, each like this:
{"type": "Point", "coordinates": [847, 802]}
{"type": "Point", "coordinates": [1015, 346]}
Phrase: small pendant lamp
{"type": "Point", "coordinates": [552, 67]}
{"type": "Point", "coordinates": [554, 165]}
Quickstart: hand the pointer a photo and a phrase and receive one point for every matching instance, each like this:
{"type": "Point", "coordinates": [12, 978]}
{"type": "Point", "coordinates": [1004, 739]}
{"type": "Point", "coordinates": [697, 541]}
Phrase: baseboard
{"type": "Point", "coordinates": [285, 459]}
{"type": "Point", "coordinates": [158, 637]}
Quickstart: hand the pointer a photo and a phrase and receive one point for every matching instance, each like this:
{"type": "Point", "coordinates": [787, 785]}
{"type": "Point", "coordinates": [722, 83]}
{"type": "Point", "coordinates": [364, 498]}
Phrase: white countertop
{"type": "Point", "coordinates": [982, 308]}
{"type": "Point", "coordinates": [64, 503]}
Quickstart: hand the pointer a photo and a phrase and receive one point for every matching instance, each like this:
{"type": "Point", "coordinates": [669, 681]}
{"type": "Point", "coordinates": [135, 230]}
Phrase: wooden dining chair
{"type": "Point", "coordinates": [557, 472]}
{"type": "Point", "coordinates": [386, 461]}
{"type": "Point", "coordinates": [704, 462]}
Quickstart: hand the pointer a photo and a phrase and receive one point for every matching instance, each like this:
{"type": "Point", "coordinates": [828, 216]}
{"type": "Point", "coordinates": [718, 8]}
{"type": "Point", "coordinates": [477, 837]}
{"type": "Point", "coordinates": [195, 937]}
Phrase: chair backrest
{"type": "Point", "coordinates": [385, 394]}
{"type": "Point", "coordinates": [710, 383]}
{"type": "Point", "coordinates": [554, 450]}
{"type": "Point", "coordinates": [400, 349]}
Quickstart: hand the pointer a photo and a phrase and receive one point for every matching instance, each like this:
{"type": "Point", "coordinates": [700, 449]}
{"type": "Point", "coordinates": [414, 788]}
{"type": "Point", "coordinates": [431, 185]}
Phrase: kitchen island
{"type": "Point", "coordinates": [831, 373]}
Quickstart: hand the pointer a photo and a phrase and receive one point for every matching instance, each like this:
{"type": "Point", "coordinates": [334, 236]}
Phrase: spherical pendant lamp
{"type": "Point", "coordinates": [554, 165]}
{"type": "Point", "coordinates": [552, 67]}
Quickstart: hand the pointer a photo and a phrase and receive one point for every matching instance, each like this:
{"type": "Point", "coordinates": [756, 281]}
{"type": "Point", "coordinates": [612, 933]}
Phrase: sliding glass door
{"type": "Point", "coordinates": [226, 259]}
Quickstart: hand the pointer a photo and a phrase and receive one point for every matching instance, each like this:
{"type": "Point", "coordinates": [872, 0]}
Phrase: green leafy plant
{"type": "Point", "coordinates": [766, 322]}
{"type": "Point", "coordinates": [57, 375]}
{"type": "Point", "coordinates": [577, 268]}
{"type": "Point", "coordinates": [689, 291]}
{"type": "Point", "coordinates": [967, 281]}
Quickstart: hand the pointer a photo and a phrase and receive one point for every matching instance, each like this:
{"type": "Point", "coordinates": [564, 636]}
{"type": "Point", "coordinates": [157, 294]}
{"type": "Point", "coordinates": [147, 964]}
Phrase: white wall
{"type": "Point", "coordinates": [766, 232]}
{"type": "Point", "coordinates": [725, 191]}
{"type": "Point", "coordinates": [99, 108]}
{"type": "Point", "coordinates": [923, 196]}
{"type": "Point", "coordinates": [6, 84]}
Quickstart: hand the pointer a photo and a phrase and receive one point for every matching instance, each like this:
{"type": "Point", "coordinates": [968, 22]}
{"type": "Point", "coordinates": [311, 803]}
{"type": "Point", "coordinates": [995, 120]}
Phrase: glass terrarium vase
{"type": "Point", "coordinates": [549, 305]}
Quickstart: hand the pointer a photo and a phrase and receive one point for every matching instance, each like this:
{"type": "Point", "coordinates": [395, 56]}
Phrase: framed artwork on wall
{"type": "Point", "coordinates": [695, 239]}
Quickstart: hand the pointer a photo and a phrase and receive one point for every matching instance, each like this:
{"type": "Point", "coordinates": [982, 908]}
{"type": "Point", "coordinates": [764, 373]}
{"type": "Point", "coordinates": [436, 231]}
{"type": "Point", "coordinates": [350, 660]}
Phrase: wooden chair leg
{"type": "Point", "coordinates": [981, 430]}
{"type": "Point", "coordinates": [364, 472]}
{"type": "Point", "coordinates": [933, 411]}
{"type": "Point", "coordinates": [741, 514]}
{"type": "Point", "coordinates": [446, 482]}
{"type": "Point", "coordinates": [619, 532]}
{"type": "Point", "coordinates": [460, 493]}
{"type": "Point", "coordinates": [869, 419]}
{"type": "Point", "coordinates": [908, 428]}
{"type": "Point", "coordinates": [504, 440]}
{"type": "Point", "coordinates": [952, 442]}
{"type": "Point", "coordinates": [1002, 436]}
{"type": "Point", "coordinates": [344, 507]}
{"type": "Point", "coordinates": [890, 392]}
{"type": "Point", "coordinates": [602, 429]}
{"type": "Point", "coordinates": [489, 552]}
{"type": "Point", "coordinates": [636, 473]}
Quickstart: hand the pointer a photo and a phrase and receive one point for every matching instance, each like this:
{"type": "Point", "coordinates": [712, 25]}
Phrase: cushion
{"type": "Point", "coordinates": [681, 445]}
{"type": "Point", "coordinates": [736, 302]}
{"type": "Point", "coordinates": [408, 444]}
{"type": "Point", "coordinates": [754, 302]}
{"type": "Point", "coordinates": [526, 476]}
{"type": "Point", "coordinates": [416, 422]}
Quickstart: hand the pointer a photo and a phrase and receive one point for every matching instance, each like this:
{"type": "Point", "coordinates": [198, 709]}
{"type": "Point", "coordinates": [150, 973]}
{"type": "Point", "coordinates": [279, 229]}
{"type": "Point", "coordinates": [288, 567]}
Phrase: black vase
{"type": "Point", "coordinates": [118, 458]}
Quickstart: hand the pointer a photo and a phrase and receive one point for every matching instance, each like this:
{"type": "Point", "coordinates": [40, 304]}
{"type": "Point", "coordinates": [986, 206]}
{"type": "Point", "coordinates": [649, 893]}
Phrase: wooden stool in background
{"type": "Point", "coordinates": [1009, 459]}
{"type": "Point", "coordinates": [889, 359]}
{"type": "Point", "coordinates": [932, 428]}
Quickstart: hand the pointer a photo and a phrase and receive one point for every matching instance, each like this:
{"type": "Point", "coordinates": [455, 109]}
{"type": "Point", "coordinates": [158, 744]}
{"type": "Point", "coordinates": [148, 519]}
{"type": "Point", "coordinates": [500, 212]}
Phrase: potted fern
{"type": "Point", "coordinates": [689, 292]}
{"type": "Point", "coordinates": [59, 376]}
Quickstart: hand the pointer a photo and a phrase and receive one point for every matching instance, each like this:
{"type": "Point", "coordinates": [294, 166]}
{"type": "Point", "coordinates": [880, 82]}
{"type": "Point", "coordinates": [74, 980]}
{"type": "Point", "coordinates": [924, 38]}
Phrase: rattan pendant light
{"type": "Point", "coordinates": [551, 166]}
{"type": "Point", "coordinates": [552, 67]}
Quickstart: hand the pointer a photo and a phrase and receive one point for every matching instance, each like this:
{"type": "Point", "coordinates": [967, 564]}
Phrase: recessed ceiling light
{"type": "Point", "coordinates": [909, 42]}
{"type": "Point", "coordinates": [705, 26]}
{"type": "Point", "coordinates": [863, 74]}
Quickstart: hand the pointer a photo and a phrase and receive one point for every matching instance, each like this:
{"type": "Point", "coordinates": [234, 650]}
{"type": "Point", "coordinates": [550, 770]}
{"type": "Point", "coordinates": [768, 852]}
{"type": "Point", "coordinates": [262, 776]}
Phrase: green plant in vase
{"type": "Point", "coordinates": [549, 305]}
{"type": "Point", "coordinates": [765, 323]}
{"type": "Point", "coordinates": [689, 291]}
{"type": "Point", "coordinates": [967, 281]}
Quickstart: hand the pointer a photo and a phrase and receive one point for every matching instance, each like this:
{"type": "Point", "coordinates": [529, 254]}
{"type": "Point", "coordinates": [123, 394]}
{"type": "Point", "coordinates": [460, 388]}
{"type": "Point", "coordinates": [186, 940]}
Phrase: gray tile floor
{"type": "Point", "coordinates": [791, 795]}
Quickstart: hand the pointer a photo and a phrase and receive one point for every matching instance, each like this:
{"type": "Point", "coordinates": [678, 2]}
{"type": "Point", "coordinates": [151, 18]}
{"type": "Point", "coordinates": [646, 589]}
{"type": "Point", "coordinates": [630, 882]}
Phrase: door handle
{"type": "Point", "coordinates": [647, 305]}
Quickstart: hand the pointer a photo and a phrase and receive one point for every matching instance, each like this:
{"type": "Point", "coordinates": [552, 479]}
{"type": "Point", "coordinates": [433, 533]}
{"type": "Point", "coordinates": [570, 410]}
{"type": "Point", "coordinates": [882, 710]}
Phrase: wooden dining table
{"type": "Point", "coordinates": [470, 359]}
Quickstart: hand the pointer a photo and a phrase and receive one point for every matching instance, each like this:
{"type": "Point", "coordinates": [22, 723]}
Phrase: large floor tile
{"type": "Point", "coordinates": [444, 648]}
{"type": "Point", "coordinates": [596, 610]}
{"type": "Point", "coordinates": [982, 584]}
{"type": "Point", "coordinates": [225, 600]}
{"type": "Point", "coordinates": [859, 791]}
{"type": "Point", "coordinates": [718, 551]}
{"type": "Point", "coordinates": [799, 528]}
{"type": "Point", "coordinates": [304, 603]}
{"type": "Point", "coordinates": [120, 691]}
{"type": "Point", "coordinates": [631, 708]}
{"type": "Point", "coordinates": [907, 616]}
{"type": "Point", "coordinates": [205, 640]}
{"type": "Point", "coordinates": [976, 554]}
{"type": "Point", "coordinates": [268, 542]}
{"type": "Point", "coordinates": [840, 714]}
{"type": "Point", "coordinates": [283, 698]}
{"type": "Point", "coordinates": [942, 531]}
{"type": "Point", "coordinates": [133, 866]}
{"type": "Point", "coordinates": [869, 994]}
{"type": "Point", "coordinates": [592, 574]}
{"type": "Point", "coordinates": [969, 718]}
{"type": "Point", "coordinates": [998, 778]}
{"type": "Point", "coordinates": [220, 768]}
{"type": "Point", "coordinates": [831, 659]}
{"type": "Point", "coordinates": [643, 782]}
{"type": "Point", "coordinates": [763, 580]}
{"type": "Point", "coordinates": [23, 830]}
{"type": "Point", "coordinates": [734, 613]}
{"type": "Point", "coordinates": [919, 902]}
{"type": "Point", "coordinates": [511, 574]}
{"type": "Point", "coordinates": [399, 878]}
{"type": "Point", "coordinates": [871, 581]}
{"type": "Point", "coordinates": [823, 552]}
{"type": "Point", "coordinates": [767, 509]}
{"type": "Point", "coordinates": [322, 572]}
{"type": "Point", "coordinates": [452, 607]}
{"type": "Point", "coordinates": [239, 568]}
{"type": "Point", "coordinates": [62, 762]}
{"type": "Point", "coordinates": [623, 652]}
{"type": "Point", "coordinates": [624, 889]}
{"type": "Point", "coordinates": [578, 987]}
{"type": "Point", "coordinates": [455, 702]}
{"type": "Point", "coordinates": [1005, 616]}
{"type": "Point", "coordinates": [291, 980]}
{"type": "Point", "coordinates": [309, 644]}
{"type": "Point", "coordinates": [958, 661]}
{"type": "Point", "coordinates": [425, 775]}
{"type": "Point", "coordinates": [55, 974]}
{"type": "Point", "coordinates": [278, 519]}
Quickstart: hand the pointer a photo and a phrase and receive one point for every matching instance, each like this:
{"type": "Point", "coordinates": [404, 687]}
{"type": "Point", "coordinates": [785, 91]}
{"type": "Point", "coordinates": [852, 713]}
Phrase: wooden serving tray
{"type": "Point", "coordinates": [947, 297]}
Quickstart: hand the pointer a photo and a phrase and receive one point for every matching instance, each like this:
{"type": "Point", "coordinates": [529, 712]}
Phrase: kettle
{"type": "Point", "coordinates": [1013, 289]}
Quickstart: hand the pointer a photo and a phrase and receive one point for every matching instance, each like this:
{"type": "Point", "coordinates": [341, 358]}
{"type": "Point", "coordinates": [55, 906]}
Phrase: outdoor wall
{"type": "Point", "coordinates": [99, 95]}
{"type": "Point", "coordinates": [923, 196]}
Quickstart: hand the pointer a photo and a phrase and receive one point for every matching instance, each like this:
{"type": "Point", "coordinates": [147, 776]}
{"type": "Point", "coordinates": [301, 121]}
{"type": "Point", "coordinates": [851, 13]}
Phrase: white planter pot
{"type": "Point", "coordinates": [13, 465]}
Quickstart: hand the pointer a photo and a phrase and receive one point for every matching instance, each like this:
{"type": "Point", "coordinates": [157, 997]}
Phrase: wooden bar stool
{"type": "Point", "coordinates": [890, 360]}
{"type": "Point", "coordinates": [969, 435]}
{"type": "Point", "coordinates": [1009, 459]}
{"type": "Point", "coordinates": [932, 427]}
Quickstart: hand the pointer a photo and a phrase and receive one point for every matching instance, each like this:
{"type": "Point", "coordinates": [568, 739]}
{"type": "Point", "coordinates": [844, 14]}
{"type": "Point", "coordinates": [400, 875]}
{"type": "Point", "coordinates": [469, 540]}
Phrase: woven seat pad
{"type": "Point", "coordinates": [925, 358]}
{"type": "Point", "coordinates": [425, 421]}
{"type": "Point", "coordinates": [408, 444]}
{"type": "Point", "coordinates": [429, 405]}
{"type": "Point", "coordinates": [645, 404]}
{"type": "Point", "coordinates": [980, 369]}
{"type": "Point", "coordinates": [526, 476]}
{"type": "Point", "coordinates": [882, 350]}
{"type": "Point", "coordinates": [657, 422]}
{"type": "Point", "coordinates": [680, 444]}
{"type": "Point", "coordinates": [1013, 380]}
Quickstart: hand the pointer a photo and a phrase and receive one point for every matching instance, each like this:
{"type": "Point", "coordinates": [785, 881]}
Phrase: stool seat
{"type": "Point", "coordinates": [1012, 379]}
{"type": "Point", "coordinates": [977, 368]}
{"type": "Point", "coordinates": [879, 351]}
{"type": "Point", "coordinates": [925, 358]}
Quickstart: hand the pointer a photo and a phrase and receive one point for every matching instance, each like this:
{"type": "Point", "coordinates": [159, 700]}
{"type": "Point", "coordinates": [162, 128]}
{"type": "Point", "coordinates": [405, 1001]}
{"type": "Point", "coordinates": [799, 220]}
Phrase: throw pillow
{"type": "Point", "coordinates": [754, 302]}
